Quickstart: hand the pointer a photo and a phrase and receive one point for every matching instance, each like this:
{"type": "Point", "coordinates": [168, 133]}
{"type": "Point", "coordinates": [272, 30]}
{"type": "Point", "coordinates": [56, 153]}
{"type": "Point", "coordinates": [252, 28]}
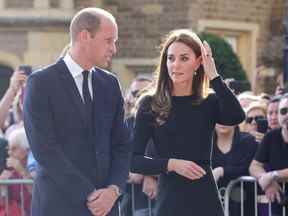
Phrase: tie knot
{"type": "Point", "coordinates": [85, 74]}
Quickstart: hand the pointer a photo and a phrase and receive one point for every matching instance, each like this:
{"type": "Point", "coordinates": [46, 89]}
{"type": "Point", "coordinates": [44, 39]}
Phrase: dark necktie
{"type": "Point", "coordinates": [87, 98]}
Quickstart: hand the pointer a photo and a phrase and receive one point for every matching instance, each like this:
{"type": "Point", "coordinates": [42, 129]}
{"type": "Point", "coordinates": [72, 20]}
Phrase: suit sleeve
{"type": "Point", "coordinates": [120, 145]}
{"type": "Point", "coordinates": [39, 126]}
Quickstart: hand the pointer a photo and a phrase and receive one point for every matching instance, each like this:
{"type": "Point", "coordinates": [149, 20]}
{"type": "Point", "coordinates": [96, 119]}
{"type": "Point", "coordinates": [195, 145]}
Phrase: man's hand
{"type": "Point", "coordinates": [265, 180]}
{"type": "Point", "coordinates": [272, 192]}
{"type": "Point", "coordinates": [150, 186]}
{"type": "Point", "coordinates": [135, 178]}
{"type": "Point", "coordinates": [101, 201]}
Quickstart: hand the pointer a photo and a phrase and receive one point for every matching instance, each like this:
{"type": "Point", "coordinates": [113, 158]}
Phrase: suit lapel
{"type": "Point", "coordinates": [71, 88]}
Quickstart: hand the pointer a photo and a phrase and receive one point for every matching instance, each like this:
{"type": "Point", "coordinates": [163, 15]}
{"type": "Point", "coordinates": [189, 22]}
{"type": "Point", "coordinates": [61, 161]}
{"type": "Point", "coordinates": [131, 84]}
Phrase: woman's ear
{"type": "Point", "coordinates": [198, 62]}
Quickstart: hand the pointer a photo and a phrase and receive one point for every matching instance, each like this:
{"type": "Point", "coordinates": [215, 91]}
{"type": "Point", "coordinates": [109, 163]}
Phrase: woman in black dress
{"type": "Point", "coordinates": [180, 115]}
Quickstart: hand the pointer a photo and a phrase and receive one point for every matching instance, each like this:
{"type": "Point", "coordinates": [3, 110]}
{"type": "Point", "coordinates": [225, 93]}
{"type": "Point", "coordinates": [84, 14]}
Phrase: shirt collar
{"type": "Point", "coordinates": [74, 68]}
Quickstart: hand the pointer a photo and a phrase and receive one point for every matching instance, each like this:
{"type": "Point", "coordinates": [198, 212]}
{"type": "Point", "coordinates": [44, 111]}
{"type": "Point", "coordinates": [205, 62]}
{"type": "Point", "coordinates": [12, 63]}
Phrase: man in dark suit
{"type": "Point", "coordinates": [73, 116]}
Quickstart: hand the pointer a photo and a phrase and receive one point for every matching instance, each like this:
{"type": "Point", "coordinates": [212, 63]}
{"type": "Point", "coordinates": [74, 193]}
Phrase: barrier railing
{"type": "Point", "coordinates": [5, 189]}
{"type": "Point", "coordinates": [241, 181]}
{"type": "Point", "coordinates": [5, 184]}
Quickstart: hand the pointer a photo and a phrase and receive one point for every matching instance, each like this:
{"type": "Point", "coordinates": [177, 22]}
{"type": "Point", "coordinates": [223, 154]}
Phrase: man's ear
{"type": "Point", "coordinates": [84, 35]}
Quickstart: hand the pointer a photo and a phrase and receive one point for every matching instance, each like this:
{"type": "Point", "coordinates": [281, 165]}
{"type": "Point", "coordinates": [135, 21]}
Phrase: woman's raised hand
{"type": "Point", "coordinates": [208, 61]}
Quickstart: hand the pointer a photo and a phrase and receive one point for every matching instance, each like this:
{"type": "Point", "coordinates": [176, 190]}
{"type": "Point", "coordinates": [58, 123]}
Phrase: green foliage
{"type": "Point", "coordinates": [227, 62]}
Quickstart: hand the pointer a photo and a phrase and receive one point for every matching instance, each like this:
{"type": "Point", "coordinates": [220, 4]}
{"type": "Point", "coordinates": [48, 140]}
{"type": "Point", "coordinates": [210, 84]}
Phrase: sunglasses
{"type": "Point", "coordinates": [135, 93]}
{"type": "Point", "coordinates": [249, 120]}
{"type": "Point", "coordinates": [284, 110]}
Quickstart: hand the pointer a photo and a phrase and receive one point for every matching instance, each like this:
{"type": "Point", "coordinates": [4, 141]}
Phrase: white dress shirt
{"type": "Point", "coordinates": [76, 72]}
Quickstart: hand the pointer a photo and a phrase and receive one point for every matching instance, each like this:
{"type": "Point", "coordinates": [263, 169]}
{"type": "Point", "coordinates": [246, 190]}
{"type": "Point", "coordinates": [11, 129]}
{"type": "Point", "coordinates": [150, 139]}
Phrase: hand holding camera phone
{"type": "Point", "coordinates": [262, 125]}
{"type": "Point", "coordinates": [27, 69]}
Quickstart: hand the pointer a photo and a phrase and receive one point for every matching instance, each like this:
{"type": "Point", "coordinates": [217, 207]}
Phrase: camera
{"type": "Point", "coordinates": [262, 125]}
{"type": "Point", "coordinates": [27, 69]}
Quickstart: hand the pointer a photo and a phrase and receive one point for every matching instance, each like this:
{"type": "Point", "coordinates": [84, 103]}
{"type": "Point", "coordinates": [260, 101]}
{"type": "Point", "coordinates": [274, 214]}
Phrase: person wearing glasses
{"type": "Point", "coordinates": [273, 153]}
{"type": "Point", "coordinates": [255, 111]}
{"type": "Point", "coordinates": [179, 115]}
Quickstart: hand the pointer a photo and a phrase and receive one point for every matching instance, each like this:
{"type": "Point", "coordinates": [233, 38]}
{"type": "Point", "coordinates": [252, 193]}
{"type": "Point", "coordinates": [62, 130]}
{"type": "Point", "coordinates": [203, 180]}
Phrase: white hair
{"type": "Point", "coordinates": [18, 136]}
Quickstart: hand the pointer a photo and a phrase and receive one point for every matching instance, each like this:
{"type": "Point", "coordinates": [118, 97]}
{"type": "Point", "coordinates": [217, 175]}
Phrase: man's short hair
{"type": "Point", "coordinates": [88, 19]}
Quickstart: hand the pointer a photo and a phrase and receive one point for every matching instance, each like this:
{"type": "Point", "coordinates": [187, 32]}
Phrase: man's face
{"type": "Point", "coordinates": [102, 46]}
{"type": "Point", "coordinates": [272, 115]}
{"type": "Point", "coordinates": [283, 113]}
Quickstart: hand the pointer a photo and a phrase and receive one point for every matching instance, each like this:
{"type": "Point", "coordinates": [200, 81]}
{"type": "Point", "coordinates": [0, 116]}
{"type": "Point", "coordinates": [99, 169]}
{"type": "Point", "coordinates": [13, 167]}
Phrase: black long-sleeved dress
{"type": "Point", "coordinates": [186, 134]}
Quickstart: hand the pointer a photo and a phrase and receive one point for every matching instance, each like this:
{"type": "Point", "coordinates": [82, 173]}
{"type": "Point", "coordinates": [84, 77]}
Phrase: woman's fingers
{"type": "Point", "coordinates": [191, 170]}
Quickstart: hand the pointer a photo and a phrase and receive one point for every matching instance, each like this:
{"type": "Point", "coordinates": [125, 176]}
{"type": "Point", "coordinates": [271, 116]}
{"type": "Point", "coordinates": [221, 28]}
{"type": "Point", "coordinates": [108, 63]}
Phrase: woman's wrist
{"type": "Point", "coordinates": [170, 165]}
{"type": "Point", "coordinates": [214, 76]}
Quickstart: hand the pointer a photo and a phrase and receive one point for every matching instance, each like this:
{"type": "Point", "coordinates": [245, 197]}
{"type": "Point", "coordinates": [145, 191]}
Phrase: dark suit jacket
{"type": "Point", "coordinates": [54, 120]}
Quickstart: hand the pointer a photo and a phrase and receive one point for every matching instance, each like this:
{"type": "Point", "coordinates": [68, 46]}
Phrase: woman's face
{"type": "Point", "coordinates": [223, 129]}
{"type": "Point", "coordinates": [254, 113]}
{"type": "Point", "coordinates": [181, 63]}
{"type": "Point", "coordinates": [16, 151]}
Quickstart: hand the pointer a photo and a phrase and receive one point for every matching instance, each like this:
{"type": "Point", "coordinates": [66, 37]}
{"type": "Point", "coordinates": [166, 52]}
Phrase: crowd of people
{"type": "Point", "coordinates": [183, 141]}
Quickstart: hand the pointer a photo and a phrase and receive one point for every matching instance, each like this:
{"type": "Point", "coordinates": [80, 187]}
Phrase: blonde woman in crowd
{"type": "Point", "coordinates": [18, 150]}
{"type": "Point", "coordinates": [255, 111]}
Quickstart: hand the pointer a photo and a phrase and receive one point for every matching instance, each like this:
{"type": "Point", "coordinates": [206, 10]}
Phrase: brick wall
{"type": "Point", "coordinates": [54, 3]}
{"type": "Point", "coordinates": [143, 22]}
{"type": "Point", "coordinates": [14, 42]}
{"type": "Point", "coordinates": [19, 3]}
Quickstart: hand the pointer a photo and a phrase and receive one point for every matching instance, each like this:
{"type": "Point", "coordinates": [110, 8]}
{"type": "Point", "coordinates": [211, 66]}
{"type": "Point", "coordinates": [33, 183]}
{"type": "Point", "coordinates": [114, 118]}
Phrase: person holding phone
{"type": "Point", "coordinates": [179, 115]}
{"type": "Point", "coordinates": [272, 153]}
{"type": "Point", "coordinates": [17, 82]}
{"type": "Point", "coordinates": [255, 113]}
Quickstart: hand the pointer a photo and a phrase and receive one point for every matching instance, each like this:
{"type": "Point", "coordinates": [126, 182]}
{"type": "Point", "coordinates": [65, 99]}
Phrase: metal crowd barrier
{"type": "Point", "coordinates": [4, 194]}
{"type": "Point", "coordinates": [133, 201]}
{"type": "Point", "coordinates": [257, 197]}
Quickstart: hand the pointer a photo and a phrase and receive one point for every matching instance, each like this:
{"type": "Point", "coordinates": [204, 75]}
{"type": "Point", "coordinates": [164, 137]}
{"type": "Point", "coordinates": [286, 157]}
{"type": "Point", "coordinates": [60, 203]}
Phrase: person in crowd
{"type": "Point", "coordinates": [18, 150]}
{"type": "Point", "coordinates": [180, 115]}
{"type": "Point", "coordinates": [17, 81]}
{"type": "Point", "coordinates": [17, 113]}
{"type": "Point", "coordinates": [74, 119]}
{"type": "Point", "coordinates": [246, 98]}
{"type": "Point", "coordinates": [232, 154]}
{"type": "Point", "coordinates": [136, 182]}
{"type": "Point", "coordinates": [270, 164]}
{"type": "Point", "coordinates": [254, 112]}
{"type": "Point", "coordinates": [135, 89]}
{"type": "Point", "coordinates": [272, 112]}
{"type": "Point", "coordinates": [3, 153]}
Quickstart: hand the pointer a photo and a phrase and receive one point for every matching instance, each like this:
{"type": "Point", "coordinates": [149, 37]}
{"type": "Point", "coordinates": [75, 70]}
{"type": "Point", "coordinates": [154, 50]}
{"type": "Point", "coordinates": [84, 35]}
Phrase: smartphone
{"type": "Point", "coordinates": [27, 69]}
{"type": "Point", "coordinates": [262, 125]}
